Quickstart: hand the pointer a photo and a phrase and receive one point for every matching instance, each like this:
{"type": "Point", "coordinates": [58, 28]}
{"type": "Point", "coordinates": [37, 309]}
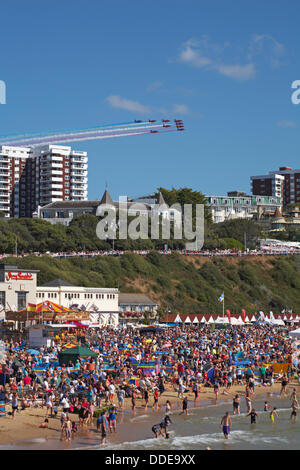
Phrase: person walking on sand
{"type": "Point", "coordinates": [14, 405]}
{"type": "Point", "coordinates": [226, 424]}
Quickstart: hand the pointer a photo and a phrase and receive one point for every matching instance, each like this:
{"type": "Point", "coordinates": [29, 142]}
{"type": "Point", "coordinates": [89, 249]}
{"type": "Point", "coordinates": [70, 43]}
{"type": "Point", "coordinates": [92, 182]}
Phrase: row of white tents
{"type": "Point", "coordinates": [233, 321]}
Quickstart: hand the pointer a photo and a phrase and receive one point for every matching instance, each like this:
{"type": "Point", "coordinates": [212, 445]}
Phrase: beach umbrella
{"type": "Point", "coordinates": [33, 352]}
{"type": "Point", "coordinates": [134, 381]}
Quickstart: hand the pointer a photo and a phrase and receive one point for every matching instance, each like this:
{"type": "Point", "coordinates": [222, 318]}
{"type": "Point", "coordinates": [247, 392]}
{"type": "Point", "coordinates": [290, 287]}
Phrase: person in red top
{"type": "Point", "coordinates": [155, 396]}
{"type": "Point", "coordinates": [27, 380]}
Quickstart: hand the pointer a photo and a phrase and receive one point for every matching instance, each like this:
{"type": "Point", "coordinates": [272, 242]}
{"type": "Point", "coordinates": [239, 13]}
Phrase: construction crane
{"type": "Point", "coordinates": [106, 131]}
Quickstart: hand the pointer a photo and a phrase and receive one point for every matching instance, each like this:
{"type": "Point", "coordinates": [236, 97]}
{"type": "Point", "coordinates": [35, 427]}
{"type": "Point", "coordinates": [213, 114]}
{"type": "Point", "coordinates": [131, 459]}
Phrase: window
{"type": "Point", "coordinates": [21, 300]}
{"type": "Point", "coordinates": [2, 298]}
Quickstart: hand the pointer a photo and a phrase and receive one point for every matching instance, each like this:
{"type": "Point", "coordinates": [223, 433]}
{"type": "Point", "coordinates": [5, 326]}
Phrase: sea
{"type": "Point", "coordinates": [196, 431]}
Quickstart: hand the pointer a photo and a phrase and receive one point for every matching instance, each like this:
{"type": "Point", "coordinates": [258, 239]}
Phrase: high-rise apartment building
{"type": "Point", "coordinates": [32, 177]}
{"type": "Point", "coordinates": [272, 184]}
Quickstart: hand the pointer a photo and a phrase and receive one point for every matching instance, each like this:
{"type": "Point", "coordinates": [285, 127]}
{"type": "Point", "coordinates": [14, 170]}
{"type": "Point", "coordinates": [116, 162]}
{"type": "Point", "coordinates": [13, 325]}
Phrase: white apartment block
{"type": "Point", "coordinates": [104, 300]}
{"type": "Point", "coordinates": [32, 177]}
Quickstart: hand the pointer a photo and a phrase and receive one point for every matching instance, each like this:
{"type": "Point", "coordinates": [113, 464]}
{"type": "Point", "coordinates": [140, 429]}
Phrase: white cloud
{"type": "Point", "coordinates": [238, 72]}
{"type": "Point", "coordinates": [194, 57]}
{"type": "Point", "coordinates": [229, 59]}
{"type": "Point", "coordinates": [286, 123]}
{"type": "Point", "coordinates": [268, 47]}
{"type": "Point", "coordinates": [181, 109]}
{"type": "Point", "coordinates": [205, 55]}
{"type": "Point", "coordinates": [117, 101]}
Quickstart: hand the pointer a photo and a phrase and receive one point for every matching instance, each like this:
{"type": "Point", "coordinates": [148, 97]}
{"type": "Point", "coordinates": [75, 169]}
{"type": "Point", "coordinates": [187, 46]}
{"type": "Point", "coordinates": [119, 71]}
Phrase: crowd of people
{"type": "Point", "coordinates": [141, 365]}
{"type": "Point", "coordinates": [264, 251]}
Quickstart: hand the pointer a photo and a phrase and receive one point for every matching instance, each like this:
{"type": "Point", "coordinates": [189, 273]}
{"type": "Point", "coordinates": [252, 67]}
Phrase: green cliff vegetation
{"type": "Point", "coordinates": [183, 284]}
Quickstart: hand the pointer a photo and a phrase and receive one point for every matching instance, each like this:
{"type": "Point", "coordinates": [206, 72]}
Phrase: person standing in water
{"type": "Point", "coordinates": [226, 424]}
{"type": "Point", "coordinates": [248, 402]}
{"type": "Point", "coordinates": [253, 415]}
{"type": "Point", "coordinates": [236, 405]}
{"type": "Point", "coordinates": [184, 406]}
{"type": "Point", "coordinates": [273, 414]}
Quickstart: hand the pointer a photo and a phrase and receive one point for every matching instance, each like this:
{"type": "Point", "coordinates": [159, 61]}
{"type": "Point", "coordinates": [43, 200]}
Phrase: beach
{"type": "Point", "coordinates": [24, 431]}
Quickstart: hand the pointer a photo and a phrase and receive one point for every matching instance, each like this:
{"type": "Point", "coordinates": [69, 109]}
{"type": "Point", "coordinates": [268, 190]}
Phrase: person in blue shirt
{"type": "Point", "coordinates": [102, 426]}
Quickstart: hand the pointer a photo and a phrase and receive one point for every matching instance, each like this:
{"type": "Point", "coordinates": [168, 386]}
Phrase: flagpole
{"type": "Point", "coordinates": [223, 304]}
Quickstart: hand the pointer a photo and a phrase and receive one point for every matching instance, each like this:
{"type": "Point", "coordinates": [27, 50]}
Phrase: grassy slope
{"type": "Point", "coordinates": [186, 285]}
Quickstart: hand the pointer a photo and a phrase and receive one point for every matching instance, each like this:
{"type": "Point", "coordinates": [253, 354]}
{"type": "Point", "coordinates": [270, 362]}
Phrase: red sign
{"type": "Point", "coordinates": [19, 276]}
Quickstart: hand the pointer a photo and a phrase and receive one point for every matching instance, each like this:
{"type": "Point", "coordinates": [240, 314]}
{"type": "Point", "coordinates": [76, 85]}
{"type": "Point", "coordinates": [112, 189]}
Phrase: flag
{"type": "Point", "coordinates": [243, 314]}
{"type": "Point", "coordinates": [221, 298]}
{"type": "Point", "coordinates": [228, 315]}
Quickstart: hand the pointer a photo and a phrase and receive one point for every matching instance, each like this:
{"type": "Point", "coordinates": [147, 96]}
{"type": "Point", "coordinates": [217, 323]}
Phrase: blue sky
{"type": "Point", "coordinates": [225, 68]}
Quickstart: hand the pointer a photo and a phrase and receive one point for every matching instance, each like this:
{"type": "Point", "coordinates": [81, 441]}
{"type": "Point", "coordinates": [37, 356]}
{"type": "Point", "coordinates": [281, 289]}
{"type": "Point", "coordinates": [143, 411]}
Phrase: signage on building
{"type": "Point", "coordinates": [19, 276]}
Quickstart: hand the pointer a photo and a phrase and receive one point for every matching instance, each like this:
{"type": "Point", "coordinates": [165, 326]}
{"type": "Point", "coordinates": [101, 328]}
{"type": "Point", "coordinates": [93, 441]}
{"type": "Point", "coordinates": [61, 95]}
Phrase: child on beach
{"type": "Point", "coordinates": [184, 406]}
{"type": "Point", "coordinates": [266, 406]}
{"type": "Point", "coordinates": [74, 428]}
{"type": "Point", "coordinates": [273, 414]}
{"type": "Point", "coordinates": [253, 415]}
{"type": "Point", "coordinates": [112, 419]}
{"type": "Point", "coordinates": [45, 423]}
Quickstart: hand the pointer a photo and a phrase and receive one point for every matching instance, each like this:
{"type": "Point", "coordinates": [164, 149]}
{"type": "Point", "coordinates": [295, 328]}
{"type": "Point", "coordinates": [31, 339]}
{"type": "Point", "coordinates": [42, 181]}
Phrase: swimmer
{"type": "Point", "coordinates": [226, 424]}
